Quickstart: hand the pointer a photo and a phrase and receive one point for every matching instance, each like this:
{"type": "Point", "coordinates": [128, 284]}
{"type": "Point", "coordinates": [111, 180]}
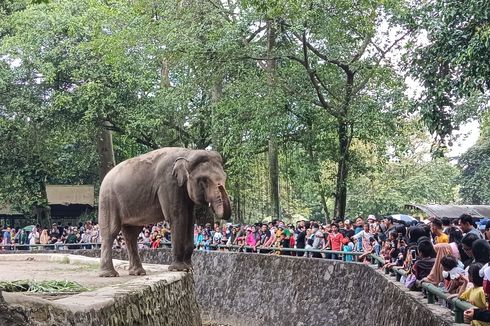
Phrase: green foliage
{"type": "Point", "coordinates": [475, 169]}
{"type": "Point", "coordinates": [197, 74]}
{"type": "Point", "coordinates": [454, 65]}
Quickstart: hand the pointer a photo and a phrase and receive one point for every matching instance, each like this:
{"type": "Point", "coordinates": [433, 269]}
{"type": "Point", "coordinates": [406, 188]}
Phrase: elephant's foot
{"type": "Point", "coordinates": [137, 271]}
{"type": "Point", "coordinates": [108, 273]}
{"type": "Point", "coordinates": [180, 267]}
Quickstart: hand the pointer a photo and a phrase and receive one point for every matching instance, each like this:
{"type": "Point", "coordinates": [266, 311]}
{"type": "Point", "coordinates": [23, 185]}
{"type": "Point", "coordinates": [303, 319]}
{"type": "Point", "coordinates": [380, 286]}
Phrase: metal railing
{"type": "Point", "coordinates": [433, 292]}
{"type": "Point", "coordinates": [343, 255]}
{"type": "Point", "coordinates": [54, 246]}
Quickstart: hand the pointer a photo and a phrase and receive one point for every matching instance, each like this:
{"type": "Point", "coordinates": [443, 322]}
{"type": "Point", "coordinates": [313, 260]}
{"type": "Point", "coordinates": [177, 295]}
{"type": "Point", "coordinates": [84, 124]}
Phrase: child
{"type": "Point", "coordinates": [475, 295]}
{"type": "Point", "coordinates": [348, 246]}
{"type": "Point", "coordinates": [452, 271]}
{"type": "Point", "coordinates": [485, 273]}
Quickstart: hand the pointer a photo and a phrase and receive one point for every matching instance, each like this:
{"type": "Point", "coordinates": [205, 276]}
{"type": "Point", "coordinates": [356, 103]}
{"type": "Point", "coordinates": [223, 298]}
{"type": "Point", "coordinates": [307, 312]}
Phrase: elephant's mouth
{"type": "Point", "coordinates": [221, 204]}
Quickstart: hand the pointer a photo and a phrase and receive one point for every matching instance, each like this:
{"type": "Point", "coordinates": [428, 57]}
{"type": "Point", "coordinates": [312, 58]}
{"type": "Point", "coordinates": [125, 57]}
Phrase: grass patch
{"type": "Point", "coordinates": [42, 286]}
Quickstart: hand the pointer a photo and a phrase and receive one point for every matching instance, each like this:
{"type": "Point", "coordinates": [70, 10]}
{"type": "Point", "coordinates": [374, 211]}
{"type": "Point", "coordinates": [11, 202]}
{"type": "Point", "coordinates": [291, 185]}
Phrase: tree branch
{"type": "Point", "coordinates": [252, 36]}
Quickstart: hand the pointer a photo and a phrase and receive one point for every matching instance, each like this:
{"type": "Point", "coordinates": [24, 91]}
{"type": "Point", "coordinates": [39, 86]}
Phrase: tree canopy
{"type": "Point", "coordinates": [305, 100]}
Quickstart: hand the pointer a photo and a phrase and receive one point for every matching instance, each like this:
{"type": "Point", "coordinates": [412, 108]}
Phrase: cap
{"type": "Point", "coordinates": [371, 217]}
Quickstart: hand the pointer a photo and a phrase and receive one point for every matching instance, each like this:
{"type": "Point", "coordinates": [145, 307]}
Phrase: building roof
{"type": "Point", "coordinates": [68, 194]}
{"type": "Point", "coordinates": [7, 210]}
{"type": "Point", "coordinates": [452, 211]}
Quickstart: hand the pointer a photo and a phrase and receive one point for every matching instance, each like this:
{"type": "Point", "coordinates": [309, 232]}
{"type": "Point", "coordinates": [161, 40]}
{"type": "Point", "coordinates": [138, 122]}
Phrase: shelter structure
{"type": "Point", "coordinates": [70, 201]}
{"type": "Point", "coordinates": [8, 216]}
{"type": "Point", "coordinates": [452, 211]}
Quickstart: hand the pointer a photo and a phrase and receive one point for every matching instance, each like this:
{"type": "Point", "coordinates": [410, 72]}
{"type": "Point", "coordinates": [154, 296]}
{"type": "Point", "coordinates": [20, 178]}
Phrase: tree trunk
{"type": "Point", "coordinates": [341, 188]}
{"type": "Point", "coordinates": [274, 177]}
{"type": "Point", "coordinates": [273, 148]}
{"type": "Point", "coordinates": [105, 150]}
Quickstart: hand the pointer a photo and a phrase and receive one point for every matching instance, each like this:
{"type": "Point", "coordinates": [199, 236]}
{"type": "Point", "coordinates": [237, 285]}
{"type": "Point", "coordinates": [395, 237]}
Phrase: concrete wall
{"type": "Point", "coordinates": [251, 289]}
{"type": "Point", "coordinates": [162, 298]}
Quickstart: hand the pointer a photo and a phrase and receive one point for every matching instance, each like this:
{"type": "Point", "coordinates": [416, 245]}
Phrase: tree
{"type": "Point", "coordinates": [453, 66]}
{"type": "Point", "coordinates": [475, 169]}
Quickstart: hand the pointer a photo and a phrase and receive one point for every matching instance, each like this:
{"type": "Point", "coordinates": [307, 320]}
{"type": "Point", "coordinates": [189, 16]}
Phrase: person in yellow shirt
{"type": "Point", "coordinates": [474, 295]}
{"type": "Point", "coordinates": [436, 229]}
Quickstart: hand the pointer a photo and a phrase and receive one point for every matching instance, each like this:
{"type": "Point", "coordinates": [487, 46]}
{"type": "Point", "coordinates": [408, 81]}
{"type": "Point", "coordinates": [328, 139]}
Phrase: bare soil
{"type": "Point", "coordinates": [84, 274]}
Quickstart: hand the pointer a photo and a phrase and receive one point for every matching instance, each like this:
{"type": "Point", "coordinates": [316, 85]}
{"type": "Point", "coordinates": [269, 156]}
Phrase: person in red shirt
{"type": "Point", "coordinates": [335, 240]}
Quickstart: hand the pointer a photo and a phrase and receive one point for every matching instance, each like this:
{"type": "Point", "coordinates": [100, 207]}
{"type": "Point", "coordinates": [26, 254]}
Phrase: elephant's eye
{"type": "Point", "coordinates": [202, 183]}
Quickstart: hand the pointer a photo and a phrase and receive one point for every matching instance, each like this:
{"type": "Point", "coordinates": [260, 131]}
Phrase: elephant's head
{"type": "Point", "coordinates": [202, 173]}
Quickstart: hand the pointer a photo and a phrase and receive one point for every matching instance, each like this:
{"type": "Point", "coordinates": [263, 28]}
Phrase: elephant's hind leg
{"type": "Point", "coordinates": [131, 235]}
{"type": "Point", "coordinates": [108, 234]}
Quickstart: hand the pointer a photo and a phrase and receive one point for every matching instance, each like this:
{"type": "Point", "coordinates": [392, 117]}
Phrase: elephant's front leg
{"type": "Point", "coordinates": [182, 239]}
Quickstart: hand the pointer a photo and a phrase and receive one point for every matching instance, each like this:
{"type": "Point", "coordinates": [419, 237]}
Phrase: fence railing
{"type": "Point", "coordinates": [343, 255]}
{"type": "Point", "coordinates": [55, 246]}
{"type": "Point", "coordinates": [433, 292]}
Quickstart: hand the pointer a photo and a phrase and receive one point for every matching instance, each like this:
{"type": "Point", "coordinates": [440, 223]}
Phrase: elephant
{"type": "Point", "coordinates": [164, 184]}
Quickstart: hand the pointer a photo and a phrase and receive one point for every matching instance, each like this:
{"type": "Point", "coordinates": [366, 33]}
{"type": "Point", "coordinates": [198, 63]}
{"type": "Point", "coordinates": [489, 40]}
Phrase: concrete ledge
{"type": "Point", "coordinates": [160, 298]}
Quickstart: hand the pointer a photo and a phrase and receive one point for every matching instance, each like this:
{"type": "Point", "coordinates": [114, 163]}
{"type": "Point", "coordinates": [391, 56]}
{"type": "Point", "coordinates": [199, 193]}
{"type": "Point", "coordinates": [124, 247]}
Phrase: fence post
{"type": "Point", "coordinates": [458, 315]}
{"type": "Point", "coordinates": [430, 297]}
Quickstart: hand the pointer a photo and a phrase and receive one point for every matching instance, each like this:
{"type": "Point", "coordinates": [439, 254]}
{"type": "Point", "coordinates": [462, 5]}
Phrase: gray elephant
{"type": "Point", "coordinates": [164, 184]}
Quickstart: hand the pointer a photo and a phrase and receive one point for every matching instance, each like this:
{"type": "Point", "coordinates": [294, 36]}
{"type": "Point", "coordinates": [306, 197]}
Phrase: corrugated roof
{"type": "Point", "coordinates": [452, 211]}
{"type": "Point", "coordinates": [67, 194]}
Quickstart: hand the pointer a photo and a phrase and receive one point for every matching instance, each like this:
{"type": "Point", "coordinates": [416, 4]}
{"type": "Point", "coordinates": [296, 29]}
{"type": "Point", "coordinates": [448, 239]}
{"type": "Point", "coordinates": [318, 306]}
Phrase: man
{"type": "Point", "coordinates": [301, 239]}
{"type": "Point", "coordinates": [265, 235]}
{"type": "Point", "coordinates": [334, 240]}
{"type": "Point", "coordinates": [436, 229]}
{"type": "Point", "coordinates": [389, 226]}
{"type": "Point", "coordinates": [466, 225]}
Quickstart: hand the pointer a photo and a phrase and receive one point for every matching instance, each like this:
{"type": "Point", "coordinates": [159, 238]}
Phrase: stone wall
{"type": "Point", "coordinates": [250, 289]}
{"type": "Point", "coordinates": [162, 298]}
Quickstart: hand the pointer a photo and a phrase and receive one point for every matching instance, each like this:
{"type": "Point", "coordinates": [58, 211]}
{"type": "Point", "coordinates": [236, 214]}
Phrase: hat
{"type": "Point", "coordinates": [371, 217]}
{"type": "Point", "coordinates": [347, 222]}
{"type": "Point", "coordinates": [249, 229]}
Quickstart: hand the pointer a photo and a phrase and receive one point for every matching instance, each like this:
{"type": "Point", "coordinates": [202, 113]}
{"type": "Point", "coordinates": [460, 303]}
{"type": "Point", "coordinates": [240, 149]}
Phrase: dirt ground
{"type": "Point", "coordinates": [84, 274]}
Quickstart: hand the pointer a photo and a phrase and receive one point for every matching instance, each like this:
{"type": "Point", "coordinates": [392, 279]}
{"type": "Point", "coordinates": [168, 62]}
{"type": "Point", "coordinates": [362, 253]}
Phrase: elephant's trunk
{"type": "Point", "coordinates": [221, 206]}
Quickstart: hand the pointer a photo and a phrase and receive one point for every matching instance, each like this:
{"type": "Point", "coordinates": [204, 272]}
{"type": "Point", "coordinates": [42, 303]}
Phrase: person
{"type": "Point", "coordinates": [44, 238]}
{"type": "Point", "coordinates": [334, 240]}
{"type": "Point", "coordinates": [359, 226]}
{"type": "Point", "coordinates": [301, 239]}
{"type": "Point", "coordinates": [446, 224]}
{"type": "Point", "coordinates": [480, 250]}
{"type": "Point", "coordinates": [363, 237]}
{"type": "Point", "coordinates": [487, 231]}
{"type": "Point", "coordinates": [443, 249]}
{"type": "Point", "coordinates": [373, 224]}
{"type": "Point", "coordinates": [475, 294]}
{"type": "Point", "coordinates": [452, 271]}
{"type": "Point", "coordinates": [424, 259]}
{"type": "Point", "coordinates": [436, 229]}
{"type": "Point", "coordinates": [467, 248]}
{"type": "Point", "coordinates": [348, 230]}
{"type": "Point", "coordinates": [390, 226]}
{"type": "Point", "coordinates": [467, 225]}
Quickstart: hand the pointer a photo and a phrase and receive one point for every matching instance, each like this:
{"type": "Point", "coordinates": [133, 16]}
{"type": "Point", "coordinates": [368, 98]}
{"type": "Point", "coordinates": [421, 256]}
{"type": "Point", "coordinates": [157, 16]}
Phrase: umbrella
{"type": "Point", "coordinates": [28, 228]}
{"type": "Point", "coordinates": [407, 219]}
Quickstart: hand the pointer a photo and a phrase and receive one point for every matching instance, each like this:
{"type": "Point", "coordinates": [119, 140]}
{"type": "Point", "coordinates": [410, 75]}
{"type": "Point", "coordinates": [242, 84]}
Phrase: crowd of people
{"type": "Point", "coordinates": [451, 254]}
{"type": "Point", "coordinates": [85, 235]}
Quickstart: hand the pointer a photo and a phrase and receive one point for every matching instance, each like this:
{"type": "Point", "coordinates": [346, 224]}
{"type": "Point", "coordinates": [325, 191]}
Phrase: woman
{"type": "Point", "coordinates": [44, 238]}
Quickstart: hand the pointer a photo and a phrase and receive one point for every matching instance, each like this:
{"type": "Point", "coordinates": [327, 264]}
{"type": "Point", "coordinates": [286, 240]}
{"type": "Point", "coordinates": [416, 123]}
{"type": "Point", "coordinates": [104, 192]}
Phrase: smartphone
{"type": "Point", "coordinates": [414, 254]}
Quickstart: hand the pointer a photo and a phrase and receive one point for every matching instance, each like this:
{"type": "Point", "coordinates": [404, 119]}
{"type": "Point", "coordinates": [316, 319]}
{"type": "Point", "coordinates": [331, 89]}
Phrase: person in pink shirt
{"type": "Point", "coordinates": [250, 238]}
{"type": "Point", "coordinates": [334, 239]}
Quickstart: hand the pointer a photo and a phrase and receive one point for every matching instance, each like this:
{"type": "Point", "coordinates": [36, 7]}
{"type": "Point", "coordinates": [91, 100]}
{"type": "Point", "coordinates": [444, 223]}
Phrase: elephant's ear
{"type": "Point", "coordinates": [180, 171]}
